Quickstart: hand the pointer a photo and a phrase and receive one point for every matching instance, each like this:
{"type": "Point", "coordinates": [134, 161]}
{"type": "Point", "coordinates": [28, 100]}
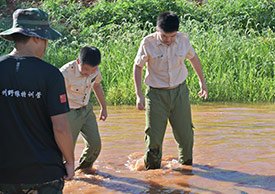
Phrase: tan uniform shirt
{"type": "Point", "coordinates": [165, 64]}
{"type": "Point", "coordinates": [78, 87]}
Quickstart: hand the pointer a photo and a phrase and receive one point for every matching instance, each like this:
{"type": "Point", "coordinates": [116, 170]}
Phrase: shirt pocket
{"type": "Point", "coordinates": [180, 57]}
{"type": "Point", "coordinates": [78, 90]}
{"type": "Point", "coordinates": [156, 61]}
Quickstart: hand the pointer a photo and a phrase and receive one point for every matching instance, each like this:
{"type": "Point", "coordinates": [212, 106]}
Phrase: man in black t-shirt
{"type": "Point", "coordinates": [33, 102]}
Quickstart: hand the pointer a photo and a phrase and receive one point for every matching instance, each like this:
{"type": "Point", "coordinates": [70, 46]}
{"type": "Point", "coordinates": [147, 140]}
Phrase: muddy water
{"type": "Point", "coordinates": [234, 153]}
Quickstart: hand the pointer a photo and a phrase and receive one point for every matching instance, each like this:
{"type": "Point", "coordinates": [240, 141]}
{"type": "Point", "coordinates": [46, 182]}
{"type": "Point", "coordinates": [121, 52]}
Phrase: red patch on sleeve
{"type": "Point", "coordinates": [63, 98]}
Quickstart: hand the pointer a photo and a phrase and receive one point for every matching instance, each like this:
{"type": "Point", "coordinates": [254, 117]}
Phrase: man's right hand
{"type": "Point", "coordinates": [70, 171]}
{"type": "Point", "coordinates": [140, 103]}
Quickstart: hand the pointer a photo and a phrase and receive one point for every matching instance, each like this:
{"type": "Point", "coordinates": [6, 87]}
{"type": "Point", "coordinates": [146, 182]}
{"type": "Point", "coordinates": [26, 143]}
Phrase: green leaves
{"type": "Point", "coordinates": [235, 41]}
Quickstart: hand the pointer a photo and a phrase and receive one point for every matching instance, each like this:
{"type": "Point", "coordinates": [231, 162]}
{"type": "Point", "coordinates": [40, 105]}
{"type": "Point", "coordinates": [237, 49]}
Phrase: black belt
{"type": "Point", "coordinates": [77, 108]}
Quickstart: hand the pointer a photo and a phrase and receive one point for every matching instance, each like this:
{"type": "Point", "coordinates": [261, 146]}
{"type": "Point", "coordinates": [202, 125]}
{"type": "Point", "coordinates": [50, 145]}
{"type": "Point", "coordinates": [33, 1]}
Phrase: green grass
{"type": "Point", "coordinates": [234, 39]}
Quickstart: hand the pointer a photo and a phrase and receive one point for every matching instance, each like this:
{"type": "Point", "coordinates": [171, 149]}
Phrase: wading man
{"type": "Point", "coordinates": [167, 95]}
{"type": "Point", "coordinates": [81, 76]}
{"type": "Point", "coordinates": [33, 105]}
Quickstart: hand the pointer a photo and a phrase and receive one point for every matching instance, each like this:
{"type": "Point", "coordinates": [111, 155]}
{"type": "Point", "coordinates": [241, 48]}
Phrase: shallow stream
{"type": "Point", "coordinates": [234, 153]}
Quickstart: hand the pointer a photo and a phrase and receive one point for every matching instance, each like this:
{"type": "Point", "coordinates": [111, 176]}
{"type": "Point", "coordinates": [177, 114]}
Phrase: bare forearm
{"type": "Point", "coordinates": [140, 102]}
{"type": "Point", "coordinates": [100, 95]}
{"type": "Point", "coordinates": [195, 61]}
{"type": "Point", "coordinates": [65, 143]}
{"type": "Point", "coordinates": [63, 137]}
{"type": "Point", "coordinates": [196, 64]}
{"type": "Point", "coordinates": [137, 80]}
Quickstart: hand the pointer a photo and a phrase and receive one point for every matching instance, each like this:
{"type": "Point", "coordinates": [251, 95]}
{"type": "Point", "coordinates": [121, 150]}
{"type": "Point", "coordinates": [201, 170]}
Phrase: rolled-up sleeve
{"type": "Point", "coordinates": [98, 78]}
{"type": "Point", "coordinates": [65, 72]}
{"type": "Point", "coordinates": [142, 55]}
{"type": "Point", "coordinates": [57, 100]}
{"type": "Point", "coordinates": [191, 52]}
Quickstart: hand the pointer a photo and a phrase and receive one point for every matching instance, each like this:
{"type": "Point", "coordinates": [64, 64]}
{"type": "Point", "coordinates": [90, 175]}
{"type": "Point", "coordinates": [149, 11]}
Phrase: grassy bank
{"type": "Point", "coordinates": [234, 39]}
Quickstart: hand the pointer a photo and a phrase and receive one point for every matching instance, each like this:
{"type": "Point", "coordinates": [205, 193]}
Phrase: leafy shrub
{"type": "Point", "coordinates": [234, 40]}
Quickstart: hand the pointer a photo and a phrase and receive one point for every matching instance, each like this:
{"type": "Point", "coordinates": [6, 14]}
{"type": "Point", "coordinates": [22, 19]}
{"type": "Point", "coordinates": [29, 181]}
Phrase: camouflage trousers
{"type": "Point", "coordinates": [52, 187]}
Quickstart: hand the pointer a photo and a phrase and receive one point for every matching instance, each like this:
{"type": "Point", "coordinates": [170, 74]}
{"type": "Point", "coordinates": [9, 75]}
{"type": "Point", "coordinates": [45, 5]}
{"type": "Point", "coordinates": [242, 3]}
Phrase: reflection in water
{"type": "Point", "coordinates": [234, 152]}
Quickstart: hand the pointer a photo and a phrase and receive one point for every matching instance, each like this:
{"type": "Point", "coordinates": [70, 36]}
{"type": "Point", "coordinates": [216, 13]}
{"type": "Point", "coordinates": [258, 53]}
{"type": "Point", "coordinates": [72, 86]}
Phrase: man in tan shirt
{"type": "Point", "coordinates": [167, 95]}
{"type": "Point", "coordinates": [81, 76]}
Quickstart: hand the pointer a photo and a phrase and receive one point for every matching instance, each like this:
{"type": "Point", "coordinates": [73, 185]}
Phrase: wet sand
{"type": "Point", "coordinates": [234, 153]}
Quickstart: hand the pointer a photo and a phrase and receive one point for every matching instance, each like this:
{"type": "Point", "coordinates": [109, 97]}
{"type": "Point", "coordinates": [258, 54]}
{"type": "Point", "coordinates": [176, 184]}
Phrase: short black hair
{"type": "Point", "coordinates": [90, 55]}
{"type": "Point", "coordinates": [168, 22]}
{"type": "Point", "coordinates": [18, 37]}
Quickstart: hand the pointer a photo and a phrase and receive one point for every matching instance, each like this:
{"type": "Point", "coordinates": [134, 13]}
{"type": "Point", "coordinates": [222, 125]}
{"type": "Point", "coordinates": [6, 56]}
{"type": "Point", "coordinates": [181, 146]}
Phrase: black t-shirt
{"type": "Point", "coordinates": [31, 91]}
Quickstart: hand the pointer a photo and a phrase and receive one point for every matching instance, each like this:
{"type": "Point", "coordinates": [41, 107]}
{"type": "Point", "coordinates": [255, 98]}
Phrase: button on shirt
{"type": "Point", "coordinates": [165, 64]}
{"type": "Point", "coordinates": [78, 86]}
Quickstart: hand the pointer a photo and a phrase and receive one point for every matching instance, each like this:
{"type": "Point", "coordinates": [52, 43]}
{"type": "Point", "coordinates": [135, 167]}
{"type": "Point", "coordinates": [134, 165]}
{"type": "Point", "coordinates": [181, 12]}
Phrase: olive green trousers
{"type": "Point", "coordinates": [83, 121]}
{"type": "Point", "coordinates": [163, 105]}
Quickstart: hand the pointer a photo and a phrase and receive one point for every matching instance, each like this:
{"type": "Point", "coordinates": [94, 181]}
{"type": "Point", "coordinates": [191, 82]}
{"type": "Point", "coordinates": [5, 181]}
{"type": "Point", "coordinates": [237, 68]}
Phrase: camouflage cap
{"type": "Point", "coordinates": [31, 22]}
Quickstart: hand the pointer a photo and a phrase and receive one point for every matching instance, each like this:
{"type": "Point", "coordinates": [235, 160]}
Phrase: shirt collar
{"type": "Point", "coordinates": [158, 39]}
{"type": "Point", "coordinates": [161, 43]}
{"type": "Point", "coordinates": [177, 39]}
{"type": "Point", "coordinates": [76, 72]}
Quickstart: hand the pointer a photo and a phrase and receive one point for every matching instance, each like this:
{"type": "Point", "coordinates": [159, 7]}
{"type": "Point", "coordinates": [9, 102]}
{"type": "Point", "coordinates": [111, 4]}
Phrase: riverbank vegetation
{"type": "Point", "coordinates": [235, 41]}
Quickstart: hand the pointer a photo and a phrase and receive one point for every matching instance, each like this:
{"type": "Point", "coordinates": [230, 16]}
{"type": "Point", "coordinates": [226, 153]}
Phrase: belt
{"type": "Point", "coordinates": [168, 88]}
{"type": "Point", "coordinates": [77, 108]}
